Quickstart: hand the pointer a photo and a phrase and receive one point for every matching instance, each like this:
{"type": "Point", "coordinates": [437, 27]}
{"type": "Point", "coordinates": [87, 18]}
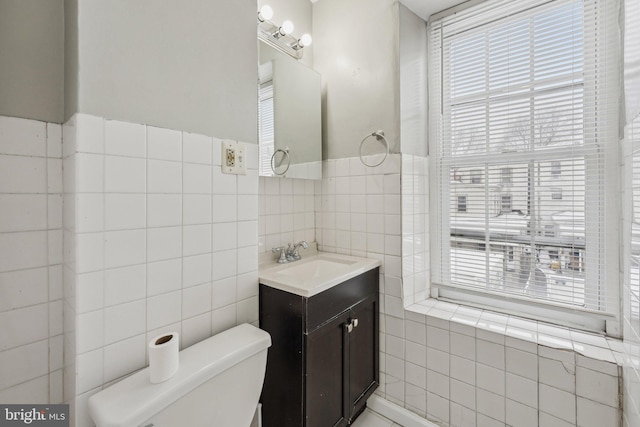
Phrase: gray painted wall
{"type": "Point", "coordinates": [32, 59]}
{"type": "Point", "coordinates": [189, 65]}
{"type": "Point", "coordinates": [356, 52]}
{"type": "Point", "coordinates": [70, 58]}
{"type": "Point", "coordinates": [413, 83]}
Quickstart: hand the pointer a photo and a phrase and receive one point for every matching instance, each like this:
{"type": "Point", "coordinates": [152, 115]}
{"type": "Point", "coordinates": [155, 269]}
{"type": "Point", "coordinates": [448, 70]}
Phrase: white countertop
{"type": "Point", "coordinates": [314, 274]}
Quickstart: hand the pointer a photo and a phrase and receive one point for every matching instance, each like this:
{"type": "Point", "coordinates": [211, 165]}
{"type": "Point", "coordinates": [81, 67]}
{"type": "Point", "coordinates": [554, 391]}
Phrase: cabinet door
{"type": "Point", "coordinates": [363, 354]}
{"type": "Point", "coordinates": [326, 358]}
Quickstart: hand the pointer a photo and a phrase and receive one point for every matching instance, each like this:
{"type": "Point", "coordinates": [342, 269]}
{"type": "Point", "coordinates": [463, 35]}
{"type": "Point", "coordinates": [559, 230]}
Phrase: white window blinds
{"type": "Point", "coordinates": [632, 136]}
{"type": "Point", "coordinates": [266, 139]}
{"type": "Point", "coordinates": [523, 107]}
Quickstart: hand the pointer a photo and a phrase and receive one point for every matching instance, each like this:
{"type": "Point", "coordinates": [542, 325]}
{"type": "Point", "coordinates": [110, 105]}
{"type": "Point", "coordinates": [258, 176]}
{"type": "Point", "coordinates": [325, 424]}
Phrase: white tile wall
{"type": "Point", "coordinates": [158, 240]}
{"type": "Point", "coordinates": [415, 230]}
{"type": "Point", "coordinates": [286, 212]}
{"type": "Point", "coordinates": [31, 261]}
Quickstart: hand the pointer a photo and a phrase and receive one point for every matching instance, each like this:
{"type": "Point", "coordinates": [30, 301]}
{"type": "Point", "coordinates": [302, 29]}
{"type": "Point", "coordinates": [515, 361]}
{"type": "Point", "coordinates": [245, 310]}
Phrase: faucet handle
{"type": "Point", "coordinates": [283, 254]}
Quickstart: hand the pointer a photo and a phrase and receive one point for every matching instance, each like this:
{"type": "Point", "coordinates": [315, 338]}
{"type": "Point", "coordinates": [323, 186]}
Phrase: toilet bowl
{"type": "Point", "coordinates": [218, 383]}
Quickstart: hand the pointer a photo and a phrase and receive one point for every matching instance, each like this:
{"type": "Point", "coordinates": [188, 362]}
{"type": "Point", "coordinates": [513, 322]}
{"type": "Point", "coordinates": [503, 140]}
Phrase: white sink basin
{"type": "Point", "coordinates": [315, 274]}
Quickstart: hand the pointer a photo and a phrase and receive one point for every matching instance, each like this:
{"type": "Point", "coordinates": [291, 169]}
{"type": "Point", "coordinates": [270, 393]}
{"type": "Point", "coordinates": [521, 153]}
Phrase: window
{"type": "Point", "coordinates": [476, 176]}
{"type": "Point", "coordinates": [505, 203]}
{"type": "Point", "coordinates": [520, 94]}
{"type": "Point", "coordinates": [506, 175]}
{"type": "Point", "coordinates": [265, 127]}
{"type": "Point", "coordinates": [462, 203]}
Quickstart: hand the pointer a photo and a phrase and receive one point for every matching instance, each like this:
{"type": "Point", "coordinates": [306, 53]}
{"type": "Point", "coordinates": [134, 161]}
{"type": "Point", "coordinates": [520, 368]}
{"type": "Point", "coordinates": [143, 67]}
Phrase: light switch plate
{"type": "Point", "coordinates": [233, 159]}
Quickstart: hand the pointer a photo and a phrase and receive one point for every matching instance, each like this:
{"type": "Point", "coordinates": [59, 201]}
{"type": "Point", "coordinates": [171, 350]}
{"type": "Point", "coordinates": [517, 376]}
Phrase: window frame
{"type": "Point", "coordinates": [586, 319]}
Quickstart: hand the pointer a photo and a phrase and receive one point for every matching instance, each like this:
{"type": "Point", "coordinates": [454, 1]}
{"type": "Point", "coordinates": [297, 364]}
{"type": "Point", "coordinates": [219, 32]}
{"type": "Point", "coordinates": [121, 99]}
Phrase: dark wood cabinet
{"type": "Point", "coordinates": [323, 363]}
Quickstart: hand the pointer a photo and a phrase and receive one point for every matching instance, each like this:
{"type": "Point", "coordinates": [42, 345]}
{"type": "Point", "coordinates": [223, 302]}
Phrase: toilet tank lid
{"type": "Point", "coordinates": [135, 399]}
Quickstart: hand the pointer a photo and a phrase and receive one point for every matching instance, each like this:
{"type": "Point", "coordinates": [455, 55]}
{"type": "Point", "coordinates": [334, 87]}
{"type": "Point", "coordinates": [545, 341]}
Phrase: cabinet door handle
{"type": "Point", "coordinates": [355, 323]}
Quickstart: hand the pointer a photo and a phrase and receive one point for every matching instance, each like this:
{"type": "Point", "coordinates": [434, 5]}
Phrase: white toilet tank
{"type": "Point", "coordinates": [218, 383]}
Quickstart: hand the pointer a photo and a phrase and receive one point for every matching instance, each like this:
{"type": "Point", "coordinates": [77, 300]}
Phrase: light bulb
{"type": "Point", "coordinates": [265, 13]}
{"type": "Point", "coordinates": [305, 40]}
{"type": "Point", "coordinates": [286, 28]}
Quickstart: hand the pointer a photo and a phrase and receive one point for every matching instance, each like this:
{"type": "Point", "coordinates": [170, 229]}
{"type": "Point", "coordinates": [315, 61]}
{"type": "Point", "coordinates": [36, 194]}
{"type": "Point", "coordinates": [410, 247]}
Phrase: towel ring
{"type": "Point", "coordinates": [285, 151]}
{"type": "Point", "coordinates": [380, 137]}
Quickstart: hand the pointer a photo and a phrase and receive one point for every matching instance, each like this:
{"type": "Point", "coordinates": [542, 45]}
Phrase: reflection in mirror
{"type": "Point", "coordinates": [289, 118]}
{"type": "Point", "coordinates": [280, 161]}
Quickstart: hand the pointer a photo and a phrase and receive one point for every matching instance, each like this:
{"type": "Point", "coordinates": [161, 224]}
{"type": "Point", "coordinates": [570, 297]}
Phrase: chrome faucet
{"type": "Point", "coordinates": [293, 251]}
{"type": "Point", "coordinates": [290, 253]}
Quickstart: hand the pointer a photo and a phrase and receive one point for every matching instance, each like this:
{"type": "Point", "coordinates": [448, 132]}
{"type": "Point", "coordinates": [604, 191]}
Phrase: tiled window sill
{"type": "Point", "coordinates": [589, 345]}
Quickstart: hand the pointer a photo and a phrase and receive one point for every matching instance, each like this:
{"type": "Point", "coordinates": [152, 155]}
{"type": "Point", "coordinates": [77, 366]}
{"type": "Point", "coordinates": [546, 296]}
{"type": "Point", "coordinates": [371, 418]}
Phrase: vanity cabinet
{"type": "Point", "coordinates": [323, 363]}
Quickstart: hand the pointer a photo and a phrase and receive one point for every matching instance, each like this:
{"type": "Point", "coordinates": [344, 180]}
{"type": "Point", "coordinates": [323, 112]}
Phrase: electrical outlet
{"type": "Point", "coordinates": [231, 157]}
{"type": "Point", "coordinates": [233, 161]}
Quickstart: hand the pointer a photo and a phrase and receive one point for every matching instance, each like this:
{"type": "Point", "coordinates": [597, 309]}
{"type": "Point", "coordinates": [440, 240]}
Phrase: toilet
{"type": "Point", "coordinates": [218, 383]}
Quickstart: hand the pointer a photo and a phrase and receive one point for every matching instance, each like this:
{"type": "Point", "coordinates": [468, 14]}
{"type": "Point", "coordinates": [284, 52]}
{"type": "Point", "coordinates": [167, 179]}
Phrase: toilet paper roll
{"type": "Point", "coordinates": [163, 357]}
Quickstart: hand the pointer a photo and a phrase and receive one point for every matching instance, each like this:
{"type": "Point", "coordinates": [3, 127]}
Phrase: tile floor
{"type": "Point", "coordinates": [372, 419]}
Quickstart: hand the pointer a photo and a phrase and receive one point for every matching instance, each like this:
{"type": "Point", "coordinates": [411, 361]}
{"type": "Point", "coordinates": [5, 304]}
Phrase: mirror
{"type": "Point", "coordinates": [289, 117]}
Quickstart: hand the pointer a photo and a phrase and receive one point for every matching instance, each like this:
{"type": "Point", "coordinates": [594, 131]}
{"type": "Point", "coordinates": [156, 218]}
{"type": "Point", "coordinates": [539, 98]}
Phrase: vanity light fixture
{"type": "Point", "coordinates": [280, 36]}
